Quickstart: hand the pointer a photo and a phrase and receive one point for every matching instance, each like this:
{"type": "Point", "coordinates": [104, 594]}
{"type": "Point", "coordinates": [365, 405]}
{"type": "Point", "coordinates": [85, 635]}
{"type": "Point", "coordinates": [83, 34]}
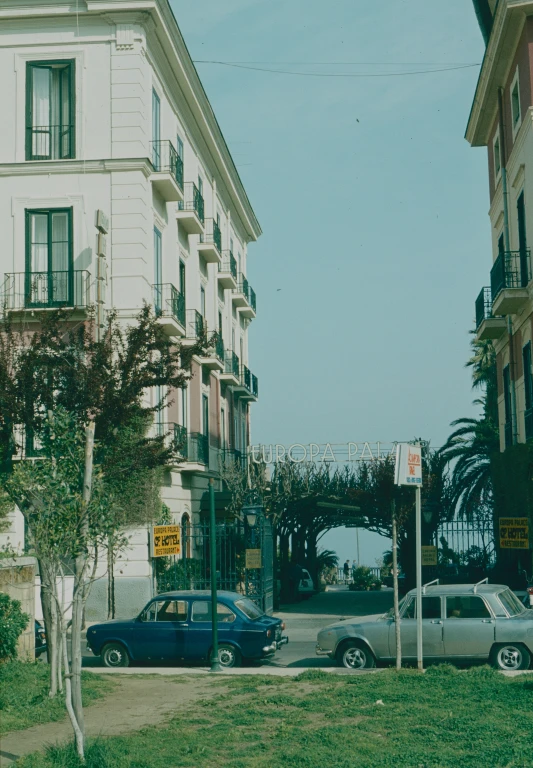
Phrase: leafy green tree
{"type": "Point", "coordinates": [13, 622]}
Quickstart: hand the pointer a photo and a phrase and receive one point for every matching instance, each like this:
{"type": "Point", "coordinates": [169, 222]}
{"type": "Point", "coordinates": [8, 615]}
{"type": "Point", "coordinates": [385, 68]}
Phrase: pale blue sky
{"type": "Point", "coordinates": [375, 231]}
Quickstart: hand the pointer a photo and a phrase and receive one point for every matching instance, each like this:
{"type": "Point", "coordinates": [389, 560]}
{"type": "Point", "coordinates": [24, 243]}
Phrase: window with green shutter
{"type": "Point", "coordinates": [50, 110]}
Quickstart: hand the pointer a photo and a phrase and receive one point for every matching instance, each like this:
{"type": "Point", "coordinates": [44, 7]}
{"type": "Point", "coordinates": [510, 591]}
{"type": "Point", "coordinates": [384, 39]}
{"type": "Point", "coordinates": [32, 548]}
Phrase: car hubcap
{"type": "Point", "coordinates": [114, 657]}
{"type": "Point", "coordinates": [510, 658]}
{"type": "Point", "coordinates": [354, 658]}
{"type": "Point", "coordinates": [226, 657]}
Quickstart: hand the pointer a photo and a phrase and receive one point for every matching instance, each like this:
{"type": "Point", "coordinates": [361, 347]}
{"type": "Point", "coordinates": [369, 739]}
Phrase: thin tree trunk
{"type": "Point", "coordinates": [395, 585]}
{"type": "Point", "coordinates": [78, 733]}
{"type": "Point", "coordinates": [110, 578]}
{"type": "Point", "coordinates": [51, 620]}
{"type": "Point", "coordinates": [80, 586]}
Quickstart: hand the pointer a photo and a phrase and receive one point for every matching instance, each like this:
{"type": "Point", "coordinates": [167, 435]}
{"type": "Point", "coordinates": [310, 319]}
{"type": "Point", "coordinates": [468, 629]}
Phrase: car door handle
{"type": "Point", "coordinates": [486, 621]}
{"type": "Point", "coordinates": [437, 621]}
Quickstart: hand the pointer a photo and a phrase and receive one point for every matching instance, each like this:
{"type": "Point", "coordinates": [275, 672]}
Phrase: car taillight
{"type": "Point", "coordinates": [269, 632]}
{"type": "Point", "coordinates": [530, 590]}
{"type": "Point", "coordinates": [282, 625]}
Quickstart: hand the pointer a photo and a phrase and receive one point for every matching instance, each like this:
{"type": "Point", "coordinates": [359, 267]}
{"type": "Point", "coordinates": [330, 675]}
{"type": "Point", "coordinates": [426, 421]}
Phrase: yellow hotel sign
{"type": "Point", "coordinates": [514, 533]}
{"type": "Point", "coordinates": [429, 556]}
{"type": "Point", "coordinates": [166, 540]}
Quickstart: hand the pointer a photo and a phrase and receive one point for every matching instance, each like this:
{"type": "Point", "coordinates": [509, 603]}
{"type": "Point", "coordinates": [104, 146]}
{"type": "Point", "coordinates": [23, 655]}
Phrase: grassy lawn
{"type": "Point", "coordinates": [445, 718]}
{"type": "Point", "coordinates": [24, 697]}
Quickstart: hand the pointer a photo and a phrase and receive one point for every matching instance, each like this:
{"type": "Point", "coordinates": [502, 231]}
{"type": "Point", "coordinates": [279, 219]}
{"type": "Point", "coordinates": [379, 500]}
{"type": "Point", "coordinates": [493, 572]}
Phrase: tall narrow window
{"type": "Point", "coordinates": [49, 277]}
{"type": "Point", "coordinates": [223, 436]}
{"type": "Point", "coordinates": [158, 271]}
{"type": "Point", "coordinates": [156, 130]}
{"type": "Point", "coordinates": [528, 390]}
{"type": "Point", "coordinates": [220, 323]}
{"type": "Point", "coordinates": [205, 415]}
{"type": "Point", "coordinates": [525, 267]}
{"type": "Point", "coordinates": [515, 102]}
{"type": "Point", "coordinates": [50, 110]}
{"type": "Point", "coordinates": [182, 278]}
{"type": "Point", "coordinates": [501, 246]}
{"type": "Point", "coordinates": [507, 406]}
{"type": "Point", "coordinates": [497, 158]}
{"type": "Point", "coordinates": [202, 301]}
{"type": "Point", "coordinates": [200, 185]}
{"type": "Point", "coordinates": [184, 415]}
{"type": "Point", "coordinates": [179, 146]}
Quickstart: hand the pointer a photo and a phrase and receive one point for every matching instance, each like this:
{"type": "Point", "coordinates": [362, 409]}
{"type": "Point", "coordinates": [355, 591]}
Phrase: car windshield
{"type": "Point", "coordinates": [249, 608]}
{"type": "Point", "coordinates": [511, 603]}
{"type": "Point", "coordinates": [390, 612]}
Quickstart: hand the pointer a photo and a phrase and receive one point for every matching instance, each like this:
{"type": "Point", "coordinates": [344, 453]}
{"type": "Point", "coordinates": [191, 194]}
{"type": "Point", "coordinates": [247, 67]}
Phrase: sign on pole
{"type": "Point", "coordinates": [429, 556]}
{"type": "Point", "coordinates": [166, 540]}
{"type": "Point", "coordinates": [408, 469]}
{"type": "Point", "coordinates": [253, 558]}
{"type": "Point", "coordinates": [514, 533]}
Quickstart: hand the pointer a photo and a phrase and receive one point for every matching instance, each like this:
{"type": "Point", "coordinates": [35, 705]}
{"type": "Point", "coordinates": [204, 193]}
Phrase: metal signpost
{"type": "Point", "coordinates": [408, 471]}
{"type": "Point", "coordinates": [215, 664]}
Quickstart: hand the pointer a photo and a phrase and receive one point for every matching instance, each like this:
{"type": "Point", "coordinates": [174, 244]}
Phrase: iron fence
{"type": "Point", "coordinates": [169, 302]}
{"type": "Point", "coordinates": [512, 269]}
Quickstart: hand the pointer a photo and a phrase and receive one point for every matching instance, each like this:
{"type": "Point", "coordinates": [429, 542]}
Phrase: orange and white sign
{"type": "Point", "coordinates": [408, 469]}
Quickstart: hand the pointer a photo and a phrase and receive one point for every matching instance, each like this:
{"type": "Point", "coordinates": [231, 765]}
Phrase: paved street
{"type": "Point", "coordinates": [303, 620]}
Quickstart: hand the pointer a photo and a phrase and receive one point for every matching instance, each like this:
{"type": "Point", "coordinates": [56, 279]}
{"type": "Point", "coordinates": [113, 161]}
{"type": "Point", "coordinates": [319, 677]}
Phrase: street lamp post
{"type": "Point", "coordinates": [215, 664]}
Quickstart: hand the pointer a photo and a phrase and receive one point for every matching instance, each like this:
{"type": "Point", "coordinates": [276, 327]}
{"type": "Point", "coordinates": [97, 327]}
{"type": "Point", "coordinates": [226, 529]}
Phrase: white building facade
{"type": "Point", "coordinates": [117, 188]}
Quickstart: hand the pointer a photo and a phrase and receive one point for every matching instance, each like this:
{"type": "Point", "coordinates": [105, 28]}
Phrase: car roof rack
{"type": "Point", "coordinates": [483, 581]}
{"type": "Point", "coordinates": [435, 581]}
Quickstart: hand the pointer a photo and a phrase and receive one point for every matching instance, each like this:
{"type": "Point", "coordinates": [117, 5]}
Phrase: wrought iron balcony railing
{"type": "Point", "coordinates": [219, 346]}
{"type": "Point", "coordinates": [195, 324]}
{"type": "Point", "coordinates": [255, 385]}
{"type": "Point", "coordinates": [228, 264]}
{"type": "Point", "coordinates": [193, 200]}
{"type": "Point", "coordinates": [191, 446]}
{"type": "Point", "coordinates": [231, 364]}
{"type": "Point", "coordinates": [46, 290]}
{"type": "Point", "coordinates": [213, 235]}
{"type": "Point", "coordinates": [233, 456]}
{"type": "Point", "coordinates": [169, 302]}
{"type": "Point", "coordinates": [528, 417]}
{"type": "Point", "coordinates": [50, 142]}
{"type": "Point", "coordinates": [249, 381]}
{"type": "Point", "coordinates": [248, 292]}
{"type": "Point", "coordinates": [512, 269]}
{"type": "Point", "coordinates": [165, 159]}
{"type": "Point", "coordinates": [253, 300]}
{"type": "Point", "coordinates": [483, 306]}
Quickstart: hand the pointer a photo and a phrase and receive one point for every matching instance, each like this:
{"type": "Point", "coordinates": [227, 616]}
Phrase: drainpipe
{"type": "Point", "coordinates": [507, 247]}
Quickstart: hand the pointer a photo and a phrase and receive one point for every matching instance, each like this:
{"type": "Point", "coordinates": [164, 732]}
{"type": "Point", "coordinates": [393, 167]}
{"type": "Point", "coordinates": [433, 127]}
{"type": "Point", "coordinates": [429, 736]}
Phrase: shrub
{"type": "Point", "coordinates": [12, 624]}
{"type": "Point", "coordinates": [363, 579]}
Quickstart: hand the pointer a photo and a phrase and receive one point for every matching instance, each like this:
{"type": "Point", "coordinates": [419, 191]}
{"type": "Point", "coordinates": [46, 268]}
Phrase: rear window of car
{"type": "Point", "coordinates": [466, 607]}
{"type": "Point", "coordinates": [201, 611]}
{"type": "Point", "coordinates": [511, 603]}
{"type": "Point", "coordinates": [249, 608]}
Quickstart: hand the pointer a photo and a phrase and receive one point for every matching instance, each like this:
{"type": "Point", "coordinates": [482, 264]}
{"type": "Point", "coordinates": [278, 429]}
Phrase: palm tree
{"type": "Point", "coordinates": [470, 447]}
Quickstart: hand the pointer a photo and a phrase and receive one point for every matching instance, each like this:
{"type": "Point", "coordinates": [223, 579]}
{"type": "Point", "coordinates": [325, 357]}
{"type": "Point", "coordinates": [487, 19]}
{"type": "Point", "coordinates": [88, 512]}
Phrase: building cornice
{"type": "Point", "coordinates": [58, 167]}
{"type": "Point", "coordinates": [508, 24]}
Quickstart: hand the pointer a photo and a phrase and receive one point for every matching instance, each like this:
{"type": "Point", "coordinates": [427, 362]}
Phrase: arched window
{"type": "Point", "coordinates": [186, 535]}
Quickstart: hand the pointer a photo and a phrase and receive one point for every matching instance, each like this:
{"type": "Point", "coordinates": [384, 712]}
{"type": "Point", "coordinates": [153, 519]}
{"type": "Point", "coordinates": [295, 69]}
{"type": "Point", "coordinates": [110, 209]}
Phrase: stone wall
{"type": "Point", "coordinates": [17, 579]}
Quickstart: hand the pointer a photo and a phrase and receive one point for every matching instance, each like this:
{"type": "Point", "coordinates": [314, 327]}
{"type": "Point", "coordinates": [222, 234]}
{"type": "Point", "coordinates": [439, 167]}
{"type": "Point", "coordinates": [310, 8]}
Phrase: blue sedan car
{"type": "Point", "coordinates": [176, 626]}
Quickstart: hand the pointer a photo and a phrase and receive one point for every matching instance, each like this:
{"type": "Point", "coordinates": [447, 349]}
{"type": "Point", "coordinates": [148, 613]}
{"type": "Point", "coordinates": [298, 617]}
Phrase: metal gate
{"type": "Point", "coordinates": [466, 549]}
{"type": "Point", "coordinates": [191, 570]}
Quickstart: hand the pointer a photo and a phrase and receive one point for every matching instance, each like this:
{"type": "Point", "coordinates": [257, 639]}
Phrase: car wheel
{"type": "Point", "coordinates": [115, 655]}
{"type": "Point", "coordinates": [355, 655]}
{"type": "Point", "coordinates": [229, 656]}
{"type": "Point", "coordinates": [511, 658]}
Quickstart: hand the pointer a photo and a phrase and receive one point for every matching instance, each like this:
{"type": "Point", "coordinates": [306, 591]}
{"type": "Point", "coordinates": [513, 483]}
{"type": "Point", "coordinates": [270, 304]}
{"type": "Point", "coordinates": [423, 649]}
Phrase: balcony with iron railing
{"type": "Point", "coordinates": [190, 213]}
{"type": "Point", "coordinates": [244, 298]}
{"type": "Point", "coordinates": [232, 456]}
{"type": "Point", "coordinates": [232, 369]}
{"type": "Point", "coordinates": [191, 447]}
{"type": "Point", "coordinates": [210, 244]}
{"type": "Point", "coordinates": [213, 359]}
{"type": "Point", "coordinates": [487, 326]}
{"type": "Point", "coordinates": [509, 280]}
{"type": "Point", "coordinates": [169, 308]}
{"type": "Point", "coordinates": [167, 177]}
{"type": "Point", "coordinates": [248, 387]}
{"type": "Point", "coordinates": [69, 289]}
{"type": "Point", "coordinates": [195, 327]}
{"type": "Point", "coordinates": [227, 271]}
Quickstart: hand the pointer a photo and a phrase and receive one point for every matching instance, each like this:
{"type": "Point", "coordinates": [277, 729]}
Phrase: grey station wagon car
{"type": "Point", "coordinates": [460, 623]}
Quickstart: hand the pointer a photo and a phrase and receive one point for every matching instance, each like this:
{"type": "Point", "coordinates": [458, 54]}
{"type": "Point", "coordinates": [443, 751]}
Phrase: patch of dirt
{"type": "Point", "coordinates": [134, 703]}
